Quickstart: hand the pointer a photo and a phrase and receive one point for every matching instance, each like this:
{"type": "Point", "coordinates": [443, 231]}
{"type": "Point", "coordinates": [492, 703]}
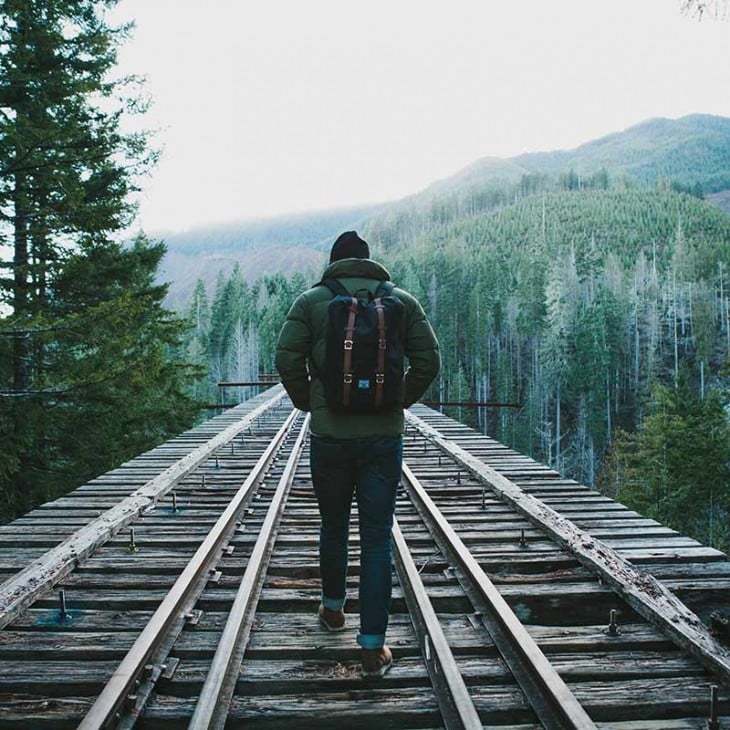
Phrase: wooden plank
{"type": "Point", "coordinates": [20, 591]}
{"type": "Point", "coordinates": [401, 708]}
{"type": "Point", "coordinates": [39, 630]}
{"type": "Point", "coordinates": [359, 709]}
{"type": "Point", "coordinates": [287, 676]}
{"type": "Point", "coordinates": [643, 592]}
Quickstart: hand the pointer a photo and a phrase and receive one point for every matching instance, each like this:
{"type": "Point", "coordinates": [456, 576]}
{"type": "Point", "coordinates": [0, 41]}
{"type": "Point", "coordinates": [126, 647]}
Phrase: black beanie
{"type": "Point", "coordinates": [349, 246]}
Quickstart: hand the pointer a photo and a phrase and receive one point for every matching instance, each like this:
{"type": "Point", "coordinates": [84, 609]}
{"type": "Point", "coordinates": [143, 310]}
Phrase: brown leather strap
{"type": "Point", "coordinates": [382, 344]}
{"type": "Point", "coordinates": [348, 343]}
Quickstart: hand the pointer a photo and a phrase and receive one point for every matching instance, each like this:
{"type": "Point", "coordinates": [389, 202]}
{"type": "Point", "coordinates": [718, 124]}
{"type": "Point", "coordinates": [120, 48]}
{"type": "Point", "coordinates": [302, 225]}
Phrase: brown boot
{"type": "Point", "coordinates": [331, 620]}
{"type": "Point", "coordinates": [376, 662]}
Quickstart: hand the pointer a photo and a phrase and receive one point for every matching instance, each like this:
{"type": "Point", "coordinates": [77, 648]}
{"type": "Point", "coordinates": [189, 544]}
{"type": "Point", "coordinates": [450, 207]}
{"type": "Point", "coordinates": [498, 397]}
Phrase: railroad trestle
{"type": "Point", "coordinates": [181, 589]}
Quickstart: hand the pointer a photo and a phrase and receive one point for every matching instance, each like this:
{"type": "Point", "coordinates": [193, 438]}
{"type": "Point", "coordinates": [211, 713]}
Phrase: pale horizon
{"type": "Point", "coordinates": [284, 108]}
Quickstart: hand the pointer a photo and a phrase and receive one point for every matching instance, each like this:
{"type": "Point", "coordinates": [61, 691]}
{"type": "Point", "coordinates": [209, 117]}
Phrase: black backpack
{"type": "Point", "coordinates": [363, 367]}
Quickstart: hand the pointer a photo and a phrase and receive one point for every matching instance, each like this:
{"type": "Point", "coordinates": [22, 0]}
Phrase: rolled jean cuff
{"type": "Point", "coordinates": [333, 604]}
{"type": "Point", "coordinates": [371, 641]}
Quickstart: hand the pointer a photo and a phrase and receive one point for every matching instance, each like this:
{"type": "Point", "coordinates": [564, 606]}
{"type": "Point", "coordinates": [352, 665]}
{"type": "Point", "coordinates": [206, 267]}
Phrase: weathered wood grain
{"type": "Point", "coordinates": [20, 591]}
{"type": "Point", "coordinates": [642, 591]}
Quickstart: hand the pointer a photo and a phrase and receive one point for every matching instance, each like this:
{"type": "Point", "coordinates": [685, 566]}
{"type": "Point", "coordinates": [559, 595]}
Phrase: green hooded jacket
{"type": "Point", "coordinates": [302, 339]}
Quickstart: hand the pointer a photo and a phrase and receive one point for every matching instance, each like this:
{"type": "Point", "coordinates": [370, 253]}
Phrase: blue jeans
{"type": "Point", "coordinates": [370, 468]}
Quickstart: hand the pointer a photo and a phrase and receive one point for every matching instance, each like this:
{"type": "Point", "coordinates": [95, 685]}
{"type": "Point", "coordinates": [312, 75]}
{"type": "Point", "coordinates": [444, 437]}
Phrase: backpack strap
{"type": "Point", "coordinates": [385, 289]}
{"type": "Point", "coordinates": [335, 287]}
{"type": "Point", "coordinates": [347, 360]}
{"type": "Point", "coordinates": [382, 345]}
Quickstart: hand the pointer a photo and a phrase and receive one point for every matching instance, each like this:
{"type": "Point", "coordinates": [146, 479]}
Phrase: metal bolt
{"type": "Point", "coordinates": [217, 465]}
{"type": "Point", "coordinates": [458, 477]}
{"type": "Point", "coordinates": [62, 603]}
{"type": "Point", "coordinates": [523, 542]}
{"type": "Point", "coordinates": [202, 482]}
{"type": "Point", "coordinates": [613, 629]}
{"type": "Point", "coordinates": [484, 498]}
{"type": "Point", "coordinates": [132, 547]}
{"type": "Point", "coordinates": [425, 445]}
{"type": "Point", "coordinates": [713, 723]}
{"type": "Point", "coordinates": [439, 459]}
{"type": "Point", "coordinates": [174, 502]}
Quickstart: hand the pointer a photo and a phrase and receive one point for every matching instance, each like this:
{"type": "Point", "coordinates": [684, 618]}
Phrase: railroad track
{"type": "Point", "coordinates": [181, 591]}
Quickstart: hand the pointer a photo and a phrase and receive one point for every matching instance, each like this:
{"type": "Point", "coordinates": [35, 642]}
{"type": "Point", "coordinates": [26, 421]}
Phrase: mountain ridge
{"type": "Point", "coordinates": [590, 156]}
{"type": "Point", "coordinates": [692, 152]}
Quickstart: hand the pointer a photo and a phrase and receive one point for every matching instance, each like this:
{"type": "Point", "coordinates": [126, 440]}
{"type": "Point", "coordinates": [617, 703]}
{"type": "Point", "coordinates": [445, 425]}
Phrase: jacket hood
{"type": "Point", "coordinates": [356, 268]}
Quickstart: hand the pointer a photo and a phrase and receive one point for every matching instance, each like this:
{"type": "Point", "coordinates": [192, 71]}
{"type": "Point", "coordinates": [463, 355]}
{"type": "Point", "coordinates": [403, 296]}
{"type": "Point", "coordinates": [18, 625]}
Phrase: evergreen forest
{"type": "Point", "coordinates": [599, 313]}
{"type": "Point", "coordinates": [584, 295]}
{"type": "Point", "coordinates": [90, 366]}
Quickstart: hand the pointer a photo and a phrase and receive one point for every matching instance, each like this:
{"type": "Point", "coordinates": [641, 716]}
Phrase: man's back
{"type": "Point", "coordinates": [303, 338]}
{"type": "Point", "coordinates": [354, 455]}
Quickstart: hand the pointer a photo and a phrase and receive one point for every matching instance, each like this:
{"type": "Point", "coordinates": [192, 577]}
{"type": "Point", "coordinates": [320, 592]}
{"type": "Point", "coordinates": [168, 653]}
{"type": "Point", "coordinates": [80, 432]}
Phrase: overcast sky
{"type": "Point", "coordinates": [272, 106]}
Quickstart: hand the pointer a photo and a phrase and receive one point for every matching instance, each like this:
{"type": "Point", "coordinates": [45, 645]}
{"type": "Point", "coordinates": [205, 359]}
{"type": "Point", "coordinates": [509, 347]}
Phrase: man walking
{"type": "Point", "coordinates": [356, 444]}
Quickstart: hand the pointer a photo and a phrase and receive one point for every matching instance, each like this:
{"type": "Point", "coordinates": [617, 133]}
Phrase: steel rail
{"type": "Point", "coordinates": [211, 709]}
{"type": "Point", "coordinates": [648, 596]}
{"type": "Point", "coordinates": [553, 702]}
{"type": "Point", "coordinates": [180, 597]}
{"type": "Point", "coordinates": [457, 709]}
{"type": "Point", "coordinates": [19, 592]}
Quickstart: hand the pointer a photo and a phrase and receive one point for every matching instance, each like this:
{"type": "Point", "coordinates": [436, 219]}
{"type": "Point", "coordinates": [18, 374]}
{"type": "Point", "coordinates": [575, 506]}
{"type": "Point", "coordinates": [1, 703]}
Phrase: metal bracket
{"type": "Point", "coordinates": [169, 667]}
{"type": "Point", "coordinates": [193, 618]}
{"type": "Point", "coordinates": [214, 576]}
{"type": "Point", "coordinates": [153, 672]}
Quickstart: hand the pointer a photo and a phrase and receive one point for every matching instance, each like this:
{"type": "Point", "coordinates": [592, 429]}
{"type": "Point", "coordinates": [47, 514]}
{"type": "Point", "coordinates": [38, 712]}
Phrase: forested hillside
{"type": "Point", "coordinates": [689, 154]}
{"type": "Point", "coordinates": [693, 150]}
{"type": "Point", "coordinates": [574, 304]}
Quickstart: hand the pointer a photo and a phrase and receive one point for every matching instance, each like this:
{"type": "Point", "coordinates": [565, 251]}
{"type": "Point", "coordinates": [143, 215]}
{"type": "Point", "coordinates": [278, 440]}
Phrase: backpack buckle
{"type": "Point", "coordinates": [347, 378]}
{"type": "Point", "coordinates": [379, 378]}
{"type": "Point", "coordinates": [382, 344]}
{"type": "Point", "coordinates": [348, 344]}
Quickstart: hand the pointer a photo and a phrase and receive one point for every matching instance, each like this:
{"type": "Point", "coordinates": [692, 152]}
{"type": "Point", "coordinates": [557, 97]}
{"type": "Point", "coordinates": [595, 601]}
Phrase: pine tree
{"type": "Point", "coordinates": [676, 467]}
{"type": "Point", "coordinates": [72, 325]}
{"type": "Point", "coordinates": [196, 341]}
{"type": "Point", "coordinates": [114, 377]}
